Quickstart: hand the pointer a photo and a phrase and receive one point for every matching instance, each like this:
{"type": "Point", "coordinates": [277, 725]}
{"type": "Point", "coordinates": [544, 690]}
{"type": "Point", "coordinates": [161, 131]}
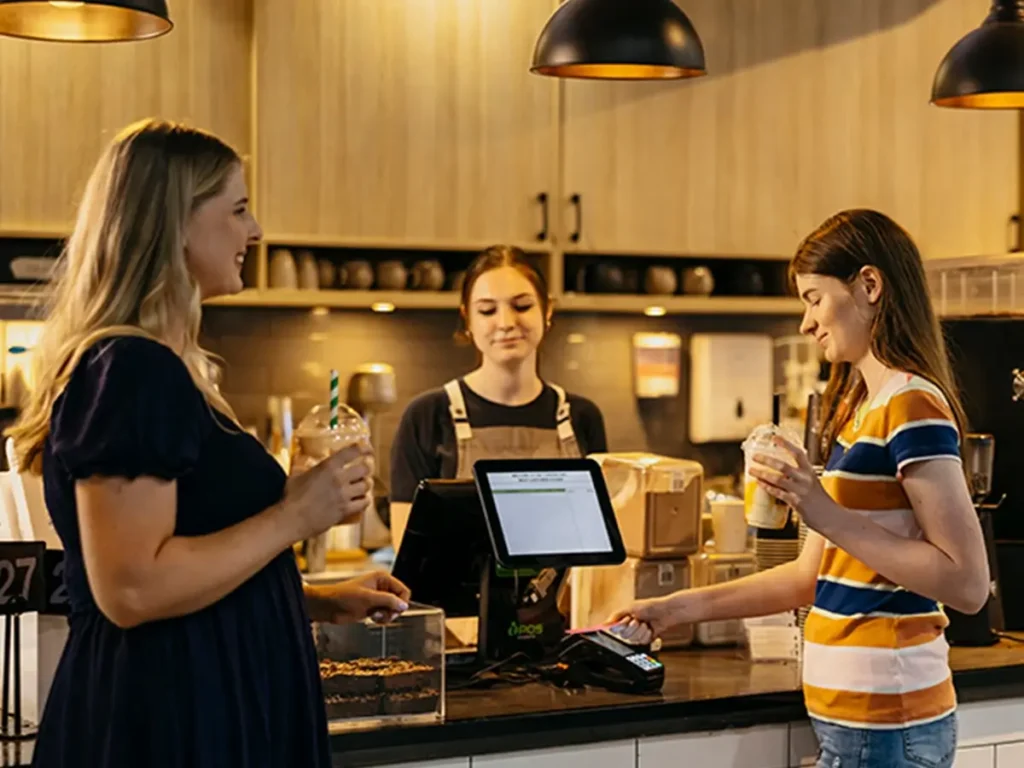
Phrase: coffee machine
{"type": "Point", "coordinates": [981, 628]}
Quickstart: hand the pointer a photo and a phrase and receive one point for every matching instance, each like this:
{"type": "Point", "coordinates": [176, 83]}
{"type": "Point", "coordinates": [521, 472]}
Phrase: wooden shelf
{"type": "Point", "coordinates": [29, 233]}
{"type": "Point", "coordinates": [599, 303]}
{"type": "Point", "coordinates": [382, 300]}
{"type": "Point", "coordinates": [679, 305]}
{"type": "Point", "coordinates": [574, 250]}
{"type": "Point", "coordinates": [394, 244]}
{"type": "Point", "coordinates": [23, 294]}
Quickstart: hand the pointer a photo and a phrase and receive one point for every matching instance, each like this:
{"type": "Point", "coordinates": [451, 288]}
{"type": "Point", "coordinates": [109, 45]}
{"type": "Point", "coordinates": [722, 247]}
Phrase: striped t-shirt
{"type": "Point", "coordinates": [875, 655]}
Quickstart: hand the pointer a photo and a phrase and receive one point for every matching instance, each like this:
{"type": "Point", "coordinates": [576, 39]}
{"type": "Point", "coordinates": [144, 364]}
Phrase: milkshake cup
{"type": "Point", "coordinates": [761, 508]}
{"type": "Point", "coordinates": [322, 433]}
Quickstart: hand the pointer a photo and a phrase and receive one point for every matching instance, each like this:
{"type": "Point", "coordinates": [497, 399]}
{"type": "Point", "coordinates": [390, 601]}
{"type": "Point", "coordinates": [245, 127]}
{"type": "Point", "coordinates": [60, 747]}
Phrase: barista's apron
{"type": "Point", "coordinates": [472, 443]}
{"type": "Point", "coordinates": [518, 442]}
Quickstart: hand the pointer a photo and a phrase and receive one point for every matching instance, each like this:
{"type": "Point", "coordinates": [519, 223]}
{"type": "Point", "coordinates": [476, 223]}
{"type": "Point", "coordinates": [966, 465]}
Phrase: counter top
{"type": "Point", "coordinates": [705, 690]}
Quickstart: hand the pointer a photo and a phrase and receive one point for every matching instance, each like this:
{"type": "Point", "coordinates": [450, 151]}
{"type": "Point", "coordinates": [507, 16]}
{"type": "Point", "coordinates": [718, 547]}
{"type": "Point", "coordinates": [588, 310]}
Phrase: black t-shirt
{"type": "Point", "coordinates": [425, 445]}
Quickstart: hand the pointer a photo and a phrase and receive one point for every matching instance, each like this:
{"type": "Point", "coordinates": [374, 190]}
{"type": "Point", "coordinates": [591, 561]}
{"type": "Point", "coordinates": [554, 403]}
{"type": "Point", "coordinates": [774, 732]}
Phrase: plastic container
{"type": "Point", "coordinates": [657, 500]}
{"type": "Point", "coordinates": [377, 675]}
{"type": "Point", "coordinates": [712, 568]}
{"type": "Point", "coordinates": [761, 508]}
{"type": "Point", "coordinates": [729, 525]}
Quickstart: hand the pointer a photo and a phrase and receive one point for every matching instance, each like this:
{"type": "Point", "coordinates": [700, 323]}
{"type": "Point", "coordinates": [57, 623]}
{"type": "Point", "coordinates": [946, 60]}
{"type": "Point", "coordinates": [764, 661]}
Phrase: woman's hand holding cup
{"type": "Point", "coordinates": [333, 492]}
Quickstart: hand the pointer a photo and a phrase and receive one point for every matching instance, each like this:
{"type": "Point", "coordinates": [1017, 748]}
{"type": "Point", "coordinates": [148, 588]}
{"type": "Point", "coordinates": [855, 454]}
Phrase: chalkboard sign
{"type": "Point", "coordinates": [55, 601]}
{"type": "Point", "coordinates": [22, 577]}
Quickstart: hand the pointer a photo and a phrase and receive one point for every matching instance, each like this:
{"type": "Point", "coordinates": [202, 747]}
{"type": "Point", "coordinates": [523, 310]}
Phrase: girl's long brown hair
{"type": "Point", "coordinates": [905, 334]}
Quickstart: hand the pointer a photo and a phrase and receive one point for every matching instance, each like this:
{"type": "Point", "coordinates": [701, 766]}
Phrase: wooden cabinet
{"type": "Point", "coordinates": [808, 108]}
{"type": "Point", "coordinates": [761, 747]}
{"type": "Point", "coordinates": [1010, 755]}
{"type": "Point", "coordinates": [413, 123]}
{"type": "Point", "coordinates": [620, 754]}
{"type": "Point", "coordinates": [60, 103]}
{"type": "Point", "coordinates": [975, 757]}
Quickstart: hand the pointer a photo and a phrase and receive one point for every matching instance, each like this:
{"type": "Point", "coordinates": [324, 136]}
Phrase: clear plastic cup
{"type": "Point", "coordinates": [761, 508]}
{"type": "Point", "coordinates": [313, 441]}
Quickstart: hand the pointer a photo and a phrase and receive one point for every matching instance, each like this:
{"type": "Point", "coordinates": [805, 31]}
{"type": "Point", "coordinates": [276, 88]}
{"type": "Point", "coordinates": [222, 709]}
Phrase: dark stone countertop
{"type": "Point", "coordinates": [704, 690]}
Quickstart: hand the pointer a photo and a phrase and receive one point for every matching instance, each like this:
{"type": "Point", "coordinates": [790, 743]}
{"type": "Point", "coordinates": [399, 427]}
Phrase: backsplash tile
{"type": "Point", "coordinates": [290, 352]}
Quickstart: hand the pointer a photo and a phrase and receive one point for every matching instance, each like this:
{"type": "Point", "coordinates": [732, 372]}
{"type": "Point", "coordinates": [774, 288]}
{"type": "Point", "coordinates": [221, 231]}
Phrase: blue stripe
{"type": "Point", "coordinates": [927, 440]}
{"type": "Point", "coordinates": [835, 456]}
{"type": "Point", "coordinates": [866, 459]}
{"type": "Point", "coordinates": [847, 601]}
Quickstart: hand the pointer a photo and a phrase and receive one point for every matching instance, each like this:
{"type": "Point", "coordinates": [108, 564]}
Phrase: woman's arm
{"type": "Point", "coordinates": [949, 565]}
{"type": "Point", "coordinates": [139, 571]}
{"type": "Point", "coordinates": [783, 588]}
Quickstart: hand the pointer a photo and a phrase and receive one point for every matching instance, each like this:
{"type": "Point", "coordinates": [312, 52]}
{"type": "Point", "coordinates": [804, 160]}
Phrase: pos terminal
{"type": "Point", "coordinates": [498, 548]}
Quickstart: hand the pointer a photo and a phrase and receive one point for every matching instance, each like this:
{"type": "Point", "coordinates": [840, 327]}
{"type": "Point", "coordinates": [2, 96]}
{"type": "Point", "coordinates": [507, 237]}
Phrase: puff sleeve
{"type": "Point", "coordinates": [129, 409]}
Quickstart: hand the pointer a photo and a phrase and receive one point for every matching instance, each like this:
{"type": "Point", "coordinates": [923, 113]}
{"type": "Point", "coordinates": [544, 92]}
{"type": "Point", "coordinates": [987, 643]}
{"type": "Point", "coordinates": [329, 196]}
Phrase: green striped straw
{"type": "Point", "coordinates": [334, 399]}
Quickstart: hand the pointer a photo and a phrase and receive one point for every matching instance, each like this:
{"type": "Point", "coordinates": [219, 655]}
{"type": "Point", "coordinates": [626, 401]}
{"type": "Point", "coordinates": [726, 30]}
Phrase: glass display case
{"type": "Point", "coordinates": [377, 675]}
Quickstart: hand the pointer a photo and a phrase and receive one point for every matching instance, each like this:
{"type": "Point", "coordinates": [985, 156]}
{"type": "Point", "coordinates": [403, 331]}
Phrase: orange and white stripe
{"type": "Point", "coordinates": [875, 654]}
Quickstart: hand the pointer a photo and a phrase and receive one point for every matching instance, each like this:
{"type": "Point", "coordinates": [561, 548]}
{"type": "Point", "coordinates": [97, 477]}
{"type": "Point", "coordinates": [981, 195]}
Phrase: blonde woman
{"type": "Point", "coordinates": [189, 638]}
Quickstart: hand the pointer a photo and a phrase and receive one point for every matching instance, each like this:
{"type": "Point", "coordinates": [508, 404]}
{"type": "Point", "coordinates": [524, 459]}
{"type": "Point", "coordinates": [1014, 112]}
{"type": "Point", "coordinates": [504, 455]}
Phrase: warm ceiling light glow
{"type": "Point", "coordinates": [985, 69]}
{"type": "Point", "coordinates": [382, 306]}
{"type": "Point", "coordinates": [619, 40]}
{"type": "Point", "coordinates": [95, 21]}
{"type": "Point", "coordinates": [655, 311]}
{"type": "Point", "coordinates": [320, 311]}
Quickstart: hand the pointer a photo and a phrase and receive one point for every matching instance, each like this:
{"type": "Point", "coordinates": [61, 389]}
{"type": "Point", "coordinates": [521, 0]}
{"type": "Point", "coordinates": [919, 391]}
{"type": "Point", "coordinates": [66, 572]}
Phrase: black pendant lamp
{"type": "Point", "coordinates": [94, 21]}
{"type": "Point", "coordinates": [619, 40]}
{"type": "Point", "coordinates": [985, 70]}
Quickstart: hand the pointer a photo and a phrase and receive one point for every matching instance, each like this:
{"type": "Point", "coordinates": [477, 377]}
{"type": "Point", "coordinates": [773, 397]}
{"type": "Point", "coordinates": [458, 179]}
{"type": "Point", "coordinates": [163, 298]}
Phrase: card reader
{"type": "Point", "coordinates": [599, 658]}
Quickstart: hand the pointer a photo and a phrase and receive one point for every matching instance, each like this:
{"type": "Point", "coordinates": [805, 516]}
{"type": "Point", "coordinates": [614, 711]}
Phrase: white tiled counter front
{"type": "Point", "coordinates": [991, 736]}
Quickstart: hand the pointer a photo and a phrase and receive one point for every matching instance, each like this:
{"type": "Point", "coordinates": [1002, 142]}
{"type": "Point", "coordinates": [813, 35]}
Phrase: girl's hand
{"type": "Point", "coordinates": [645, 620]}
{"type": "Point", "coordinates": [795, 483]}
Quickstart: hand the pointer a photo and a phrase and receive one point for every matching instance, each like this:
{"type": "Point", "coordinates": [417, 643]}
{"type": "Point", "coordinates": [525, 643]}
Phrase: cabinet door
{"type": "Point", "coordinates": [1010, 755]}
{"type": "Point", "coordinates": [975, 757]}
{"type": "Point", "coordinates": [762, 747]}
{"type": "Point", "coordinates": [403, 122]}
{"type": "Point", "coordinates": [808, 108]}
{"type": "Point", "coordinates": [620, 754]}
{"type": "Point", "coordinates": [60, 103]}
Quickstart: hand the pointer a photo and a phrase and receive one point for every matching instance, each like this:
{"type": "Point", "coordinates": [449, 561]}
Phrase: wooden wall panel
{"type": "Point", "coordinates": [407, 122]}
{"type": "Point", "coordinates": [61, 102]}
{"type": "Point", "coordinates": [810, 106]}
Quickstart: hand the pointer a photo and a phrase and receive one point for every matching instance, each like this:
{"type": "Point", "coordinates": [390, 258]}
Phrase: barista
{"type": "Point", "coordinates": [502, 409]}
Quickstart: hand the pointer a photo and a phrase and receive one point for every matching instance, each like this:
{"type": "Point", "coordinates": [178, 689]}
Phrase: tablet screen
{"type": "Point", "coordinates": [547, 512]}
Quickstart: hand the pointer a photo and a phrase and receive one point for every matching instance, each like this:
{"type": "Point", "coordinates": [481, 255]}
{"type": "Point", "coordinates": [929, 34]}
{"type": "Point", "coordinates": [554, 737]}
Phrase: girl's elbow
{"type": "Point", "coordinates": [972, 595]}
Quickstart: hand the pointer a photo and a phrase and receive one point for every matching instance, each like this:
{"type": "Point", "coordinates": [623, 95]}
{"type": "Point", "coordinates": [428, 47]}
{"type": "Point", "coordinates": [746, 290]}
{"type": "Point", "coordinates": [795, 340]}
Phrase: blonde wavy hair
{"type": "Point", "coordinates": [123, 270]}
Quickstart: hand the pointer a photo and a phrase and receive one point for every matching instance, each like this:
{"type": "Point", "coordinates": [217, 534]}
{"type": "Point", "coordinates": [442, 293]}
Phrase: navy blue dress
{"type": "Point", "coordinates": [235, 684]}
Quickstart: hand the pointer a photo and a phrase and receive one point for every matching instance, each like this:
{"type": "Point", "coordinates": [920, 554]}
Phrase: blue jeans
{"type": "Point", "coordinates": [921, 746]}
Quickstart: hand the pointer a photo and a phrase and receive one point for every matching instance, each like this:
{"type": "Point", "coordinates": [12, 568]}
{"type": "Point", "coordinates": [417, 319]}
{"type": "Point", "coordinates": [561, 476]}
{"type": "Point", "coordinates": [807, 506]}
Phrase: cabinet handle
{"type": "Point", "coordinates": [542, 198]}
{"type": "Point", "coordinates": [1014, 242]}
{"type": "Point", "coordinates": [578, 205]}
